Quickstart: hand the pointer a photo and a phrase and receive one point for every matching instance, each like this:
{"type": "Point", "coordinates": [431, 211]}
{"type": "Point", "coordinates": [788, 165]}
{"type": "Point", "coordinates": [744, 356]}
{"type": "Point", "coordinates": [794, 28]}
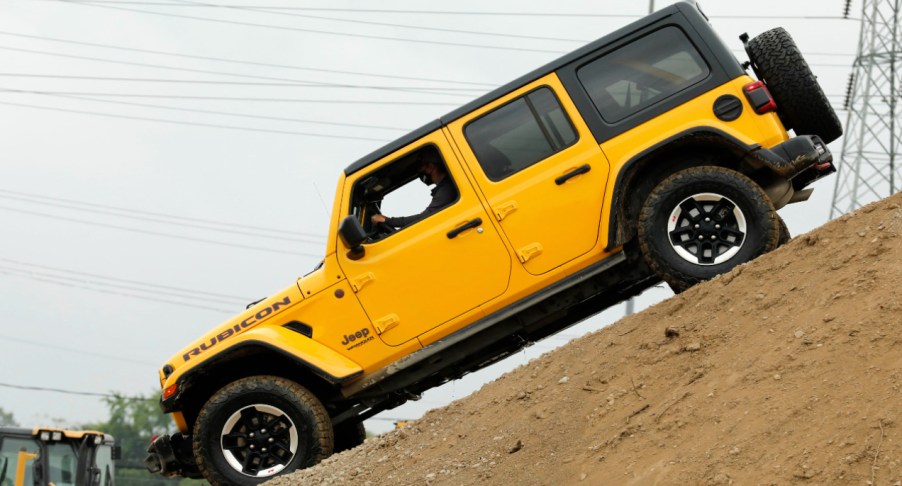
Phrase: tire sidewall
{"type": "Point", "coordinates": [239, 395]}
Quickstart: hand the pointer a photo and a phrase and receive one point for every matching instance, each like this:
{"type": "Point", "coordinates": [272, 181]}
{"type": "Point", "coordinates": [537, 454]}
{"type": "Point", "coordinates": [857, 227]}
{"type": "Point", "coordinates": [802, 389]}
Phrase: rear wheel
{"type": "Point", "coordinates": [703, 221]}
{"type": "Point", "coordinates": [258, 427]}
{"type": "Point", "coordinates": [801, 102]}
{"type": "Point", "coordinates": [785, 235]}
{"type": "Point", "coordinates": [349, 435]}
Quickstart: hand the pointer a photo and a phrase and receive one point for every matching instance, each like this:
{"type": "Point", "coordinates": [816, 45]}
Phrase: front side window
{"type": "Point", "coordinates": [642, 73]}
{"type": "Point", "coordinates": [104, 461]}
{"type": "Point", "coordinates": [519, 134]}
{"type": "Point", "coordinates": [404, 192]}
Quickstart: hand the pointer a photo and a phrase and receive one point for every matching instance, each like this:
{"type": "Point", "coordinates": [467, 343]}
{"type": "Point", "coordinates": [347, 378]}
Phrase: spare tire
{"type": "Point", "coordinates": [801, 102]}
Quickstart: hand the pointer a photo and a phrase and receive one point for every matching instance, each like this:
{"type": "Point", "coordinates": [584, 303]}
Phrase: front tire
{"type": "Point", "coordinates": [702, 222]}
{"type": "Point", "coordinates": [258, 427]}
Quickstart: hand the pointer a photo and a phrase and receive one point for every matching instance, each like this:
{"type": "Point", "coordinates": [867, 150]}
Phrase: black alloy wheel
{"type": "Point", "coordinates": [258, 427]}
{"type": "Point", "coordinates": [707, 229]}
{"type": "Point", "coordinates": [259, 440]}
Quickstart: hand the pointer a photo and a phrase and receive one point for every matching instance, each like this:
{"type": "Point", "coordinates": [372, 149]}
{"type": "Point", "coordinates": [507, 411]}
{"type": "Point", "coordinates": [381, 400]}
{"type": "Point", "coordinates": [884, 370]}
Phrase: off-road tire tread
{"type": "Point", "coordinates": [764, 209]}
{"type": "Point", "coordinates": [275, 385]}
{"type": "Point", "coordinates": [785, 235]}
{"type": "Point", "coordinates": [801, 102]}
{"type": "Point", "coordinates": [349, 436]}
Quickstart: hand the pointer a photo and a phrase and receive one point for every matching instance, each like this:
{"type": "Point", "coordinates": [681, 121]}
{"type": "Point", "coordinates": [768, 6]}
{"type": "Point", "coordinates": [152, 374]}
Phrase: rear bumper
{"type": "Point", "coordinates": [171, 456]}
{"type": "Point", "coordinates": [803, 160]}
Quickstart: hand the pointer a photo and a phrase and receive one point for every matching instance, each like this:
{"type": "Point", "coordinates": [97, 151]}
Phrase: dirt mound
{"type": "Point", "coordinates": [787, 370]}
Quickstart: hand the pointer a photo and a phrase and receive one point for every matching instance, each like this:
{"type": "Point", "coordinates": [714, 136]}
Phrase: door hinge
{"type": "Point", "coordinates": [529, 251]}
{"type": "Point", "coordinates": [386, 323]}
{"type": "Point", "coordinates": [502, 210]}
{"type": "Point", "coordinates": [362, 280]}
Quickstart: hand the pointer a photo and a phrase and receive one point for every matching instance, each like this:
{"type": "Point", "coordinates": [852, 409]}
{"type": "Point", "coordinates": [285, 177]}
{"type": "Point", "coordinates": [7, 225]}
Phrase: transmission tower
{"type": "Point", "coordinates": [869, 168]}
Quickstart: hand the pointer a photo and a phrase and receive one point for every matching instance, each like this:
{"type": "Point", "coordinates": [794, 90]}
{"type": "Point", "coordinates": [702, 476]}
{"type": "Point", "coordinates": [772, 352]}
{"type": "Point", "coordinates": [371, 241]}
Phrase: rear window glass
{"type": "Point", "coordinates": [642, 73]}
{"type": "Point", "coordinates": [519, 134]}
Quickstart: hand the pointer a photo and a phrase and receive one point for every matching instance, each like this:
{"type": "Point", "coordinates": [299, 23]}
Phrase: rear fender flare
{"type": "Point", "coordinates": [630, 175]}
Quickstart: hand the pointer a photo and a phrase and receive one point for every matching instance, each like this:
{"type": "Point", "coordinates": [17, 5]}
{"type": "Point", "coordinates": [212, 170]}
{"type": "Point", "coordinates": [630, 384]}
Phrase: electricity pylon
{"type": "Point", "coordinates": [869, 168]}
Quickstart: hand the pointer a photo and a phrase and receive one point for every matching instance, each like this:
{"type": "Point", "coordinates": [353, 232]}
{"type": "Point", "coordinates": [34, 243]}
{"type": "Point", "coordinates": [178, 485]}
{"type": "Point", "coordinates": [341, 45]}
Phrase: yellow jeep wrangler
{"type": "Point", "coordinates": [647, 155]}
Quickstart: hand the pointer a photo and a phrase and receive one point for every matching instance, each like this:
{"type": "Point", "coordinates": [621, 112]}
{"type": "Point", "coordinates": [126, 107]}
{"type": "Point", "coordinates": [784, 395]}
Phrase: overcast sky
{"type": "Point", "coordinates": [163, 165]}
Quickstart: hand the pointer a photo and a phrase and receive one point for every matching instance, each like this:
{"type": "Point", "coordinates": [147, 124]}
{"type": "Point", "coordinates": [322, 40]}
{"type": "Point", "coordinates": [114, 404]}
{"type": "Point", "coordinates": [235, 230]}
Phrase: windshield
{"type": "Point", "coordinates": [9, 457]}
{"type": "Point", "coordinates": [61, 458]}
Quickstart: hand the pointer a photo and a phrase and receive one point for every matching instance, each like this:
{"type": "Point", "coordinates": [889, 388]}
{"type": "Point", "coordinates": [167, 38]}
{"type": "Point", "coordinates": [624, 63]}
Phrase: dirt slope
{"type": "Point", "coordinates": [787, 370]}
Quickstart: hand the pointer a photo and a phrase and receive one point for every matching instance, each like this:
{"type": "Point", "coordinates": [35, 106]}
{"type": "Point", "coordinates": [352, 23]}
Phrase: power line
{"type": "Point", "coordinates": [68, 392]}
{"type": "Point", "coordinates": [385, 24]}
{"type": "Point", "coordinates": [80, 352]}
{"type": "Point", "coordinates": [162, 215]}
{"type": "Point", "coordinates": [312, 31]}
{"type": "Point", "coordinates": [444, 12]}
{"type": "Point", "coordinates": [50, 280]}
{"type": "Point", "coordinates": [289, 82]}
{"type": "Point", "coordinates": [208, 112]}
{"type": "Point", "coordinates": [156, 220]}
{"type": "Point", "coordinates": [61, 276]}
{"type": "Point", "coordinates": [236, 61]}
{"type": "Point", "coordinates": [156, 233]}
{"type": "Point", "coordinates": [196, 124]}
{"type": "Point", "coordinates": [266, 100]}
{"type": "Point", "coordinates": [115, 279]}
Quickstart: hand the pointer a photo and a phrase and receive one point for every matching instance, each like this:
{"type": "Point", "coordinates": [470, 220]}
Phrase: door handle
{"type": "Point", "coordinates": [460, 229]}
{"type": "Point", "coordinates": [573, 173]}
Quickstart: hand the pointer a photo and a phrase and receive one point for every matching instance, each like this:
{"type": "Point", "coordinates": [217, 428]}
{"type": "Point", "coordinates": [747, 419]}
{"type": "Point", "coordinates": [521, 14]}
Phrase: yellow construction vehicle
{"type": "Point", "coordinates": [57, 457]}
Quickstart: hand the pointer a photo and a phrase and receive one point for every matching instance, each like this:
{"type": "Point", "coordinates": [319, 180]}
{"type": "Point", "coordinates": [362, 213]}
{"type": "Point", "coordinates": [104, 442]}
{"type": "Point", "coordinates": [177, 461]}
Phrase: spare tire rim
{"type": "Point", "coordinates": [259, 440]}
{"type": "Point", "coordinates": [706, 229]}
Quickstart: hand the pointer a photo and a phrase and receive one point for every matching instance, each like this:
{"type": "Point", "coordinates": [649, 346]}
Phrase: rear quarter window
{"type": "Point", "coordinates": [519, 134]}
{"type": "Point", "coordinates": [642, 73]}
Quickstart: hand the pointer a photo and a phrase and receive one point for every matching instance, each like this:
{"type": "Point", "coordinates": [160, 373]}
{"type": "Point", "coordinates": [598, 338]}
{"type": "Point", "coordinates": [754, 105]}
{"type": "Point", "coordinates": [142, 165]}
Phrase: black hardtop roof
{"type": "Point", "coordinates": [686, 7]}
{"type": "Point", "coordinates": [15, 431]}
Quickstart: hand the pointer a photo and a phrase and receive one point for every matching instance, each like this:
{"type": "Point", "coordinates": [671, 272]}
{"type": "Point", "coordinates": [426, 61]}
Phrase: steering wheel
{"type": "Point", "coordinates": [384, 228]}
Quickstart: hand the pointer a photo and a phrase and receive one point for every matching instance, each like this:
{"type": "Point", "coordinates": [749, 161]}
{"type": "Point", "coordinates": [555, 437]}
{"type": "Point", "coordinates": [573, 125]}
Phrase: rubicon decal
{"type": "Point", "coordinates": [238, 328]}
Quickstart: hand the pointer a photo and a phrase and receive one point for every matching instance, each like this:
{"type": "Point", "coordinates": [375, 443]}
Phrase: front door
{"type": "Point", "coordinates": [421, 269]}
{"type": "Point", "coordinates": [541, 171]}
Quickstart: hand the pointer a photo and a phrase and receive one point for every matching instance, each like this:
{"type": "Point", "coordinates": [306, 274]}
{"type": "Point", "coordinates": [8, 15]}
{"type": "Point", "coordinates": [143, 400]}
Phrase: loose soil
{"type": "Point", "coordinates": [787, 370]}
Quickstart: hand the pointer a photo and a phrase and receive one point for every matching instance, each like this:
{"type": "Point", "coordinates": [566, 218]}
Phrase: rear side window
{"type": "Point", "coordinates": [642, 73]}
{"type": "Point", "coordinates": [519, 134]}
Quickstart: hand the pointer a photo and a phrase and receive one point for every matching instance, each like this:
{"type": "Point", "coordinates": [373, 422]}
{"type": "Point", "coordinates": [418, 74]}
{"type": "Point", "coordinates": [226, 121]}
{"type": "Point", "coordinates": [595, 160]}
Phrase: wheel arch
{"type": "Point", "coordinates": [639, 175]}
{"type": "Point", "coordinates": [252, 358]}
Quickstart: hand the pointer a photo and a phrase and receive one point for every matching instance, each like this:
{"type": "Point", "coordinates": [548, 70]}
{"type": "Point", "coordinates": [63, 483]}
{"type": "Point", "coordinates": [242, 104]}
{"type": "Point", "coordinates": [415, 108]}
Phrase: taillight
{"type": "Point", "coordinates": [759, 97]}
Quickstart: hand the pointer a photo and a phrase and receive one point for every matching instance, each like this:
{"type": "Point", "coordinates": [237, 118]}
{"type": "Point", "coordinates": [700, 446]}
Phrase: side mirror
{"type": "Point", "coordinates": [352, 235]}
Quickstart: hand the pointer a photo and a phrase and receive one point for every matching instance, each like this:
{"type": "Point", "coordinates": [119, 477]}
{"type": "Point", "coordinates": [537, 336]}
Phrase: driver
{"type": "Point", "coordinates": [443, 194]}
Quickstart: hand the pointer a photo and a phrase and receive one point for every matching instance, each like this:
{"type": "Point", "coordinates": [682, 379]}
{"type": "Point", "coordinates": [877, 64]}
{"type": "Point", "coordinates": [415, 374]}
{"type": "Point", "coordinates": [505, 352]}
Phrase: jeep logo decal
{"type": "Point", "coordinates": [362, 335]}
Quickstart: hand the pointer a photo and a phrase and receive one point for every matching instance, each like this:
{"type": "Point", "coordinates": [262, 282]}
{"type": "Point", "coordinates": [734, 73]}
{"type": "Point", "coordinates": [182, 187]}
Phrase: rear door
{"type": "Point", "coordinates": [541, 171]}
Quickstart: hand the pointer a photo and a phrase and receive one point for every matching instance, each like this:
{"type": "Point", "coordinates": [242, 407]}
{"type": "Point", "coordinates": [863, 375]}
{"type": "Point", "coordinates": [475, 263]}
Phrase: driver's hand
{"type": "Point", "coordinates": [377, 218]}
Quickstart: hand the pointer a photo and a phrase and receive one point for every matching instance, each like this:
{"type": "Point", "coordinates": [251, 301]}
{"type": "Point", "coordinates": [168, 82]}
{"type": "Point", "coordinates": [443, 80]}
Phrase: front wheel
{"type": "Point", "coordinates": [258, 427]}
{"type": "Point", "coordinates": [703, 221]}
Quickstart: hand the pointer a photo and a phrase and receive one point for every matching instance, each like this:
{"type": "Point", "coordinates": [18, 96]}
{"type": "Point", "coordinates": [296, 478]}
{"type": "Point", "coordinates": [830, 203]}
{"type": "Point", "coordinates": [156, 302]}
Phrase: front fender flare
{"type": "Point", "coordinates": [321, 360]}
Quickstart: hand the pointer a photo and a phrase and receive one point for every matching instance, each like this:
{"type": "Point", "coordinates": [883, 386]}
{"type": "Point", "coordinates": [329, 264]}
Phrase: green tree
{"type": "Point", "coordinates": [133, 421]}
{"type": "Point", "coordinates": [6, 419]}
